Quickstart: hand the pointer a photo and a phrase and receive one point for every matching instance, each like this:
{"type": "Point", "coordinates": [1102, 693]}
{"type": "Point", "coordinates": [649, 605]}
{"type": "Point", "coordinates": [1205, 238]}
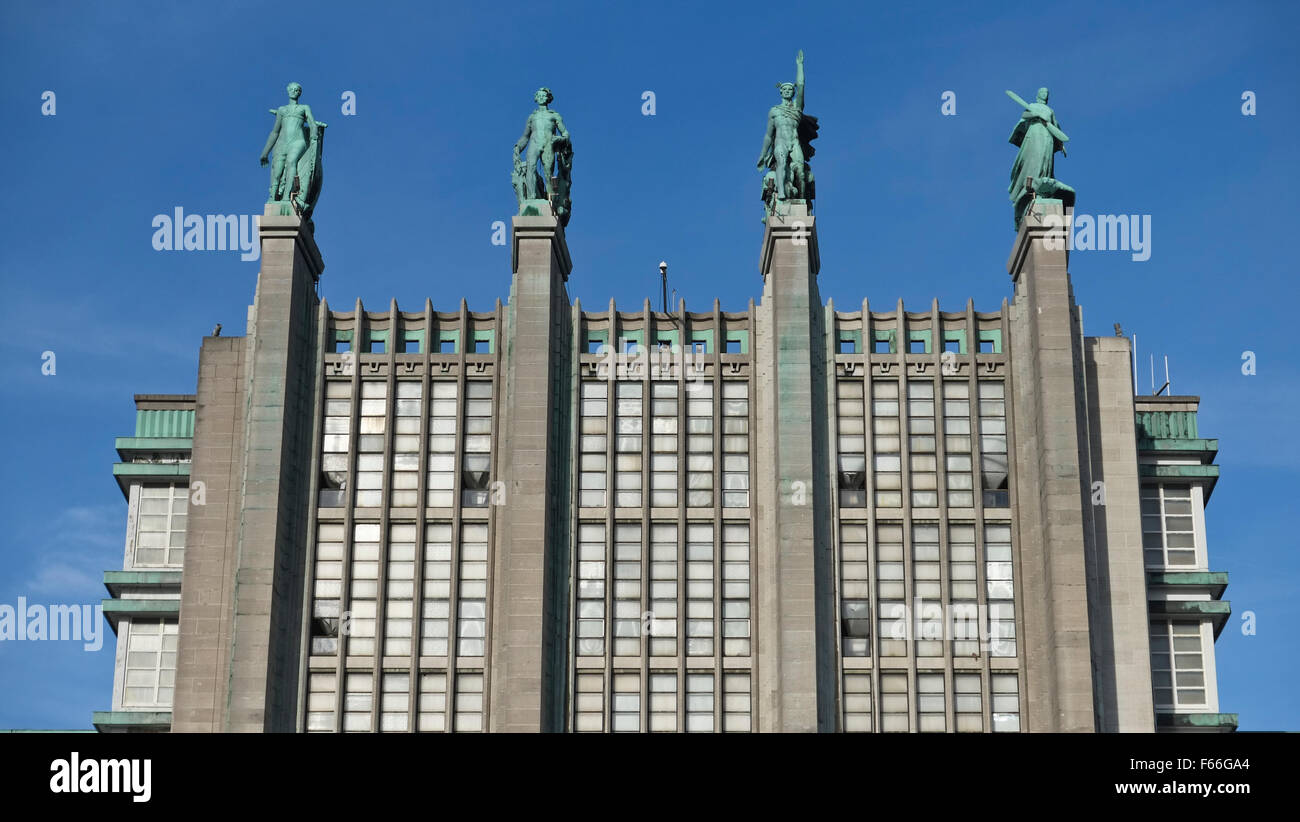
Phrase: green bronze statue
{"type": "Point", "coordinates": [1039, 137]}
{"type": "Point", "coordinates": [787, 147]}
{"type": "Point", "coordinates": [294, 148]}
{"type": "Point", "coordinates": [545, 140]}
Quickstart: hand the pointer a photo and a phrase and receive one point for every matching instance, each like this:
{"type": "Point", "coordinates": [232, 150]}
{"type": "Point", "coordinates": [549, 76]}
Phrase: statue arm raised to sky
{"type": "Point", "coordinates": [787, 145]}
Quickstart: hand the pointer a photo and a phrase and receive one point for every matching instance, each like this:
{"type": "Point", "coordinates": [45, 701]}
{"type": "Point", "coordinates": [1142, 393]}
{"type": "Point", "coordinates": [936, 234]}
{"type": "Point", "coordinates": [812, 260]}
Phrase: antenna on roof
{"type": "Point", "coordinates": [663, 276]}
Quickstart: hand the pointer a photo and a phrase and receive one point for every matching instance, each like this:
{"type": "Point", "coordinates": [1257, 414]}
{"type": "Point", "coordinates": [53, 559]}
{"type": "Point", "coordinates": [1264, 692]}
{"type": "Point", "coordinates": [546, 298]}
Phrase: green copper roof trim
{"type": "Point", "coordinates": [488, 336]}
{"type": "Point", "coordinates": [922, 336]}
{"type": "Point", "coordinates": [153, 444]}
{"type": "Point", "coordinates": [740, 335]}
{"type": "Point", "coordinates": [992, 335]}
{"type": "Point", "coordinates": [1170, 444]}
{"type": "Point", "coordinates": [1217, 580]}
{"type": "Point", "coordinates": [115, 609]}
{"type": "Point", "coordinates": [1217, 610]}
{"type": "Point", "coordinates": [957, 335]}
{"type": "Point", "coordinates": [1219, 721]}
{"type": "Point", "coordinates": [121, 720]}
{"type": "Point", "coordinates": [115, 581]}
{"type": "Point", "coordinates": [1179, 425]}
{"type": "Point", "coordinates": [151, 469]}
{"type": "Point", "coordinates": [1178, 471]}
{"type": "Point", "coordinates": [164, 423]}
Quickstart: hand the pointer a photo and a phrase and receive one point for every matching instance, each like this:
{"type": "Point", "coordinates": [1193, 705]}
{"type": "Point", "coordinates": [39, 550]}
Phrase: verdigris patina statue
{"type": "Point", "coordinates": [545, 140]}
{"type": "Point", "coordinates": [1039, 137]}
{"type": "Point", "coordinates": [787, 147]}
{"type": "Point", "coordinates": [294, 148]}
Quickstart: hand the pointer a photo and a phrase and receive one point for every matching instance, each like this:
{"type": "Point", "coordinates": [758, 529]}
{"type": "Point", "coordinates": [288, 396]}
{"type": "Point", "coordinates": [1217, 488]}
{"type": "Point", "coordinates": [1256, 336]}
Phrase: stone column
{"type": "Point", "coordinates": [1053, 520]}
{"type": "Point", "coordinates": [795, 638]}
{"type": "Point", "coordinates": [530, 577]}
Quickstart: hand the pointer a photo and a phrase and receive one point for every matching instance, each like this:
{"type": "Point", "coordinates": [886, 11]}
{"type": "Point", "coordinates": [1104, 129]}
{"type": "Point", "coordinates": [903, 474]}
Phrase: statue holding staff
{"type": "Point", "coordinates": [1038, 137]}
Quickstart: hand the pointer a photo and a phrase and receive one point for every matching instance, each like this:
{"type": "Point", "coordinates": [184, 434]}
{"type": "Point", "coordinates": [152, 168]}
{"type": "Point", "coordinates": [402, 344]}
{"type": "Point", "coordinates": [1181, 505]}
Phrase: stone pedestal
{"type": "Point", "coordinates": [1052, 485]}
{"type": "Point", "coordinates": [794, 595]}
{"type": "Point", "coordinates": [242, 594]}
{"type": "Point", "coordinates": [529, 602]}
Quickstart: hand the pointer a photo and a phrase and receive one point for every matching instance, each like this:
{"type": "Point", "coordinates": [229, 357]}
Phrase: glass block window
{"type": "Point", "coordinates": [358, 697]}
{"type": "Point", "coordinates": [335, 442]}
{"type": "Point", "coordinates": [436, 606]}
{"type": "Point", "coordinates": [469, 702]}
{"type": "Point", "coordinates": [322, 696]}
{"type": "Point", "coordinates": [362, 597]}
{"type": "Point", "coordinates": [735, 589]}
{"type": "Point", "coordinates": [699, 441]}
{"type": "Point", "coordinates": [1168, 533]}
{"type": "Point", "coordinates": [394, 702]}
{"type": "Point", "coordinates": [150, 664]}
{"type": "Point", "coordinates": [993, 444]}
{"type": "Point", "coordinates": [1178, 664]}
{"type": "Point", "coordinates": [1006, 703]}
{"type": "Point", "coordinates": [433, 702]}
{"type": "Point", "coordinates": [699, 703]}
{"type": "Point", "coordinates": [930, 705]}
{"type": "Point", "coordinates": [893, 703]}
{"type": "Point", "coordinates": [472, 597]}
{"type": "Point", "coordinates": [699, 589]}
{"type": "Point", "coordinates": [927, 593]}
{"type": "Point", "coordinates": [160, 526]}
{"type": "Point", "coordinates": [589, 702]}
{"type": "Point", "coordinates": [628, 456]}
{"type": "Point", "coordinates": [591, 589]}
{"type": "Point", "coordinates": [593, 478]}
{"type": "Point", "coordinates": [626, 713]}
{"type": "Point", "coordinates": [370, 444]}
{"type": "Point", "coordinates": [442, 445]}
{"type": "Point", "coordinates": [969, 704]}
{"type": "Point", "coordinates": [663, 702]}
{"type": "Point", "coordinates": [663, 462]}
{"type": "Point", "coordinates": [735, 444]}
{"type": "Point", "coordinates": [405, 491]}
{"type": "Point", "coordinates": [890, 591]}
{"type": "Point", "coordinates": [888, 449]}
{"type": "Point", "coordinates": [663, 590]}
{"type": "Point", "coordinates": [855, 591]}
{"type": "Point", "coordinates": [851, 445]}
{"type": "Point", "coordinates": [627, 589]}
{"type": "Point", "coordinates": [857, 702]}
{"type": "Point", "coordinates": [957, 444]}
{"type": "Point", "coordinates": [921, 436]}
{"type": "Point", "coordinates": [737, 702]}
{"type": "Point", "coordinates": [399, 613]}
{"type": "Point", "coordinates": [1001, 590]}
{"type": "Point", "coordinates": [963, 595]}
{"type": "Point", "coordinates": [327, 589]}
{"type": "Point", "coordinates": [476, 462]}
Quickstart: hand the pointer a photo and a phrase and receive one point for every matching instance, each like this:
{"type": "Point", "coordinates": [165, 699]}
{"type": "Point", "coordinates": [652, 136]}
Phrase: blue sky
{"type": "Point", "coordinates": [165, 105]}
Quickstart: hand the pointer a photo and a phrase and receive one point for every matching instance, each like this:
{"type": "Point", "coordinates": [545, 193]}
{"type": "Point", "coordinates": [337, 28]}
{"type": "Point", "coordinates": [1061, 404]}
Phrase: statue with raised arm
{"type": "Point", "coordinates": [545, 140]}
{"type": "Point", "coordinates": [294, 150]}
{"type": "Point", "coordinates": [787, 147]}
{"type": "Point", "coordinates": [1039, 137]}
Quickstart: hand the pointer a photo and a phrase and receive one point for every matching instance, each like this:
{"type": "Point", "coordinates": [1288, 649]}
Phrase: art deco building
{"type": "Point", "coordinates": [546, 516]}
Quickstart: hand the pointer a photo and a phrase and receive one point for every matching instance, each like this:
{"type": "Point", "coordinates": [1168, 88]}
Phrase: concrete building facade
{"type": "Point", "coordinates": [796, 517]}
